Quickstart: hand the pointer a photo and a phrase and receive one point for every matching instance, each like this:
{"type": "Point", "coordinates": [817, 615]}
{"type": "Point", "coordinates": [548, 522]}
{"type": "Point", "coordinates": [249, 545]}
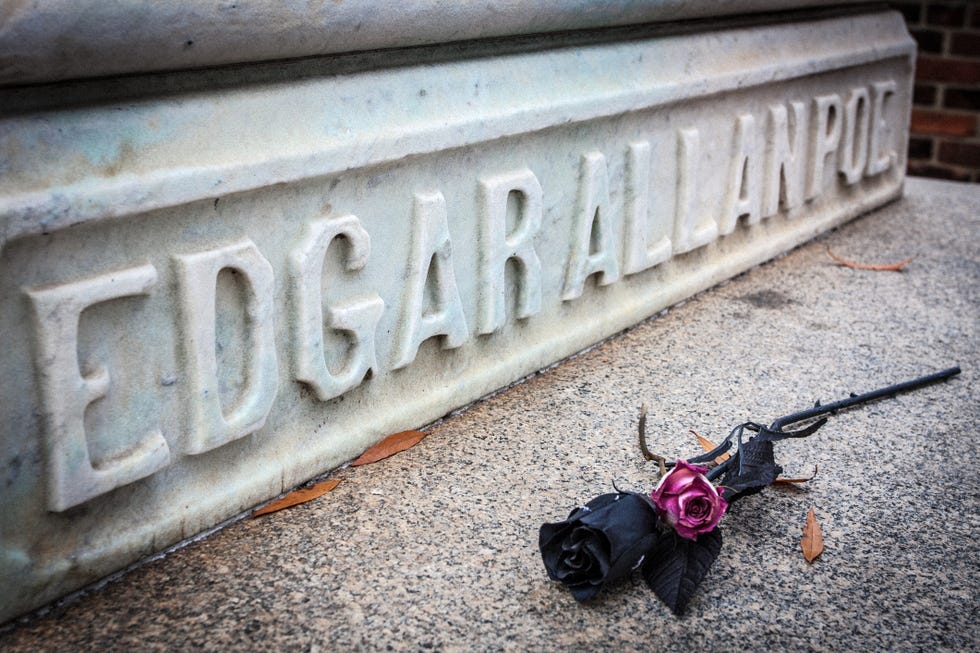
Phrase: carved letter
{"type": "Point", "coordinates": [359, 317]}
{"type": "Point", "coordinates": [689, 234]}
{"type": "Point", "coordinates": [497, 247]}
{"type": "Point", "coordinates": [198, 273]}
{"type": "Point", "coordinates": [879, 161]}
{"type": "Point", "coordinates": [592, 240]}
{"type": "Point", "coordinates": [826, 138]}
{"type": "Point", "coordinates": [784, 177]}
{"type": "Point", "coordinates": [66, 392]}
{"type": "Point", "coordinates": [854, 149]}
{"type": "Point", "coordinates": [743, 191]}
{"type": "Point", "coordinates": [639, 255]}
{"type": "Point", "coordinates": [431, 248]}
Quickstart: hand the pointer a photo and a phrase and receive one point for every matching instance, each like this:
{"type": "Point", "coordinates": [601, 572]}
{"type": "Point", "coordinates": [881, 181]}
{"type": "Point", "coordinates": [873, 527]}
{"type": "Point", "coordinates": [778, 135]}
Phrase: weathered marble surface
{"type": "Point", "coordinates": [435, 549]}
{"type": "Point", "coordinates": [66, 39]}
{"type": "Point", "coordinates": [193, 341]}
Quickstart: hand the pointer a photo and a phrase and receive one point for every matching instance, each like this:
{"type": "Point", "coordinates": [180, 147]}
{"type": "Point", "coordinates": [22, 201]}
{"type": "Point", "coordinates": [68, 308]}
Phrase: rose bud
{"type": "Point", "coordinates": [688, 502]}
{"type": "Point", "coordinates": [599, 543]}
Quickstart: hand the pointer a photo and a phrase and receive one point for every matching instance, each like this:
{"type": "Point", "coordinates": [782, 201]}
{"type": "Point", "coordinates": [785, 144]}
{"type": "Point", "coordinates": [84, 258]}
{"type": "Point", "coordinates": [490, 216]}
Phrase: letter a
{"type": "Point", "coordinates": [743, 196]}
{"type": "Point", "coordinates": [431, 248]}
{"type": "Point", "coordinates": [591, 219]}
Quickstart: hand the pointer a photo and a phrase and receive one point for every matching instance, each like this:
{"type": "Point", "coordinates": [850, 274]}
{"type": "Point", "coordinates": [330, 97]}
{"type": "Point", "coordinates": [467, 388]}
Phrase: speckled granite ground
{"type": "Point", "coordinates": [435, 549]}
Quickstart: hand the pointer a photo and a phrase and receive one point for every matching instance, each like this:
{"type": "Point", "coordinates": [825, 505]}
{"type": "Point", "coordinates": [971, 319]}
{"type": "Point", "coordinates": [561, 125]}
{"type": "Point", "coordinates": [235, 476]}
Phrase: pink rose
{"type": "Point", "coordinates": [688, 501]}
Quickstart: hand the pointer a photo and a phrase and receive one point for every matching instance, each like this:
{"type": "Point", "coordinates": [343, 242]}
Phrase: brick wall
{"type": "Point", "coordinates": [945, 138]}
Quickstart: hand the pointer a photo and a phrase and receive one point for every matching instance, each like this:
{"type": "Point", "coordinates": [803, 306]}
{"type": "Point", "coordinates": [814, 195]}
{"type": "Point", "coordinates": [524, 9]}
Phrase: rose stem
{"type": "Point", "coordinates": [643, 441]}
{"type": "Point", "coordinates": [816, 411]}
{"type": "Point", "coordinates": [891, 390]}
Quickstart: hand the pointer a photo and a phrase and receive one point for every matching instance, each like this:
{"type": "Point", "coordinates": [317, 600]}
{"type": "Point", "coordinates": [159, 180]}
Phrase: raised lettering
{"type": "Point", "coordinates": [743, 196]}
{"type": "Point", "coordinates": [854, 148]}
{"type": "Point", "coordinates": [784, 176]}
{"type": "Point", "coordinates": [689, 233]}
{"type": "Point", "coordinates": [358, 317]}
{"type": "Point", "coordinates": [879, 161]}
{"type": "Point", "coordinates": [639, 255]}
{"type": "Point", "coordinates": [197, 273]}
{"type": "Point", "coordinates": [431, 250]}
{"type": "Point", "coordinates": [592, 248]}
{"type": "Point", "coordinates": [825, 139]}
{"type": "Point", "coordinates": [72, 477]}
{"type": "Point", "coordinates": [497, 246]}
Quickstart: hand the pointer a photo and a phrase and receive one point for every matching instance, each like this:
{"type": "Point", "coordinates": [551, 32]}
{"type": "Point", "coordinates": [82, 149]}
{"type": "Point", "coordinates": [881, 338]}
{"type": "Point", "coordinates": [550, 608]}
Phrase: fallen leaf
{"type": "Point", "coordinates": [389, 447]}
{"type": "Point", "coordinates": [800, 479]}
{"type": "Point", "coordinates": [877, 267]}
{"type": "Point", "coordinates": [297, 497]}
{"type": "Point", "coordinates": [709, 446]}
{"type": "Point", "coordinates": [812, 540]}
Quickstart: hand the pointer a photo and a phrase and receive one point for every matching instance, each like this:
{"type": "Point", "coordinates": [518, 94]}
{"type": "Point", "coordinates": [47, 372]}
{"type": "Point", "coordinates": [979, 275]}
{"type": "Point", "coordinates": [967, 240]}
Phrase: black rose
{"type": "Point", "coordinates": [599, 543]}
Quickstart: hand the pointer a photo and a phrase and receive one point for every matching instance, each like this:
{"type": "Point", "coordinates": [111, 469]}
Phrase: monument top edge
{"type": "Point", "coordinates": [75, 39]}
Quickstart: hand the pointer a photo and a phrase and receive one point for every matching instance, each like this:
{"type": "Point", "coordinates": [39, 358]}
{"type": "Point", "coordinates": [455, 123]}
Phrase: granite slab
{"type": "Point", "coordinates": [435, 549]}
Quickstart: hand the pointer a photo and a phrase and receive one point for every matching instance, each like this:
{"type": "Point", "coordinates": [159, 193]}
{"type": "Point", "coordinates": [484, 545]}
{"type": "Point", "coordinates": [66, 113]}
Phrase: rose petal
{"type": "Point", "coordinates": [585, 591]}
{"type": "Point", "coordinates": [681, 476]}
{"type": "Point", "coordinates": [599, 543]}
{"type": "Point", "coordinates": [698, 508]}
{"type": "Point", "coordinates": [688, 502]}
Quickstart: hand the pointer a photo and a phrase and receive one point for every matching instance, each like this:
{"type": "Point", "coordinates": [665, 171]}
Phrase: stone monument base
{"type": "Point", "coordinates": [216, 285]}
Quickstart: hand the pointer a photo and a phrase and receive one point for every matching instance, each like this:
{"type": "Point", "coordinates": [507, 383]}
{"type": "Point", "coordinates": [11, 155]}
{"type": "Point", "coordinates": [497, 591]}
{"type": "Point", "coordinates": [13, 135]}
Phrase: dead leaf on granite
{"type": "Point", "coordinates": [801, 479]}
{"type": "Point", "coordinates": [876, 267]}
{"type": "Point", "coordinates": [389, 447]}
{"type": "Point", "coordinates": [812, 540]}
{"type": "Point", "coordinates": [297, 497]}
{"type": "Point", "coordinates": [709, 446]}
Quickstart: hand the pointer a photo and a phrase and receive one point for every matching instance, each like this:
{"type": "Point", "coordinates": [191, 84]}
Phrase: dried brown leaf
{"type": "Point", "coordinates": [709, 446]}
{"type": "Point", "coordinates": [800, 479]}
{"type": "Point", "coordinates": [812, 540]}
{"type": "Point", "coordinates": [390, 446]}
{"type": "Point", "coordinates": [297, 497]}
{"type": "Point", "coordinates": [877, 267]}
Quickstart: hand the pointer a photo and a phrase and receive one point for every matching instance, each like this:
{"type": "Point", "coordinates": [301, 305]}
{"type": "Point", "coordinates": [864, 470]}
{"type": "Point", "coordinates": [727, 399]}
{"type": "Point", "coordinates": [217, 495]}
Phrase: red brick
{"type": "Point", "coordinates": [965, 44]}
{"type": "Point", "coordinates": [924, 95]}
{"type": "Point", "coordinates": [946, 14]}
{"type": "Point", "coordinates": [960, 154]}
{"type": "Point", "coordinates": [960, 98]}
{"type": "Point", "coordinates": [920, 148]}
{"type": "Point", "coordinates": [912, 11]}
{"type": "Point", "coordinates": [946, 124]}
{"type": "Point", "coordinates": [936, 69]}
{"type": "Point", "coordinates": [936, 172]}
{"type": "Point", "coordinates": [928, 40]}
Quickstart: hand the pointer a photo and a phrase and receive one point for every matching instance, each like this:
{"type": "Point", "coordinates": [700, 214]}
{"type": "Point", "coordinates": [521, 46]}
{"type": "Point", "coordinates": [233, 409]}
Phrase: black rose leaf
{"type": "Point", "coordinates": [753, 467]}
{"type": "Point", "coordinates": [675, 566]}
{"type": "Point", "coordinates": [599, 543]}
